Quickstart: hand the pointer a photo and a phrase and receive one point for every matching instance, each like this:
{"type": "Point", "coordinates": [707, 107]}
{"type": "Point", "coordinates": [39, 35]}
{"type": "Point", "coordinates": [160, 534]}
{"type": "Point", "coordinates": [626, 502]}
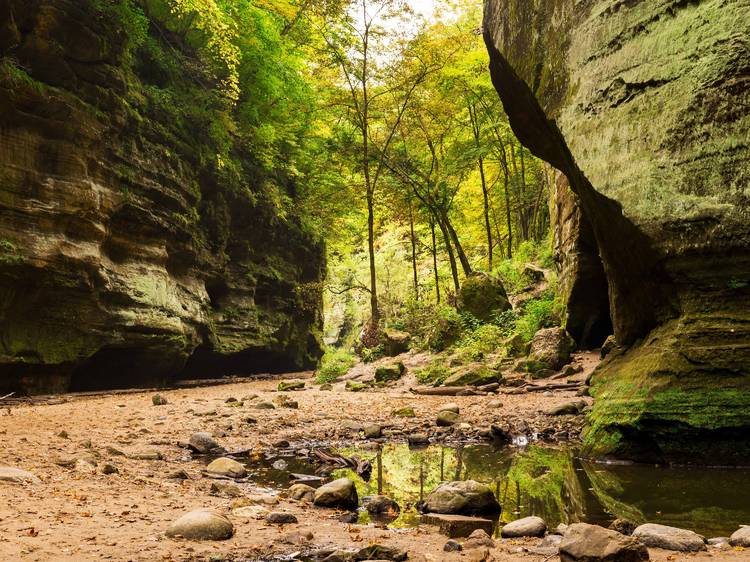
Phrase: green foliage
{"type": "Point", "coordinates": [370, 354]}
{"type": "Point", "coordinates": [537, 313]}
{"type": "Point", "coordinates": [435, 373]}
{"type": "Point", "coordinates": [483, 340]}
{"type": "Point", "coordinates": [9, 253]}
{"type": "Point", "coordinates": [335, 363]}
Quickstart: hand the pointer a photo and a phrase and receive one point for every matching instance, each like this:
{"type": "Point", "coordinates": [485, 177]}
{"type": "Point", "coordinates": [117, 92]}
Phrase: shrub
{"type": "Point", "coordinates": [537, 313]}
{"type": "Point", "coordinates": [434, 373]}
{"type": "Point", "coordinates": [336, 363]}
{"type": "Point", "coordinates": [446, 329]}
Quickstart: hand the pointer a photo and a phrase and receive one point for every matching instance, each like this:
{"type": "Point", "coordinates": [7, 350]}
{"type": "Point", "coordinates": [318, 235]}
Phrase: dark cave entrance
{"type": "Point", "coordinates": [205, 363]}
{"type": "Point", "coordinates": [589, 318]}
{"type": "Point", "coordinates": [114, 367]}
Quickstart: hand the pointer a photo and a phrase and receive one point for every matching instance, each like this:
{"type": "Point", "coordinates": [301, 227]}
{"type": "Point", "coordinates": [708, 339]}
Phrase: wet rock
{"type": "Point", "coordinates": [457, 526]}
{"type": "Point", "coordinates": [466, 497]}
{"type": "Point", "coordinates": [224, 466]}
{"type": "Point", "coordinates": [226, 489]}
{"type": "Point", "coordinates": [388, 373]}
{"type": "Point", "coordinates": [349, 518]}
{"type": "Point", "coordinates": [526, 527]}
{"type": "Point", "coordinates": [255, 499]}
{"type": "Point", "coordinates": [418, 439]}
{"type": "Point", "coordinates": [395, 342]}
{"type": "Point", "coordinates": [354, 386]}
{"type": "Point", "coordinates": [287, 386]}
{"type": "Point", "coordinates": [302, 492]}
{"type": "Point", "coordinates": [478, 539]}
{"type": "Point", "coordinates": [280, 518]}
{"type": "Point", "coordinates": [405, 412]}
{"type": "Point", "coordinates": [264, 406]}
{"type": "Point", "coordinates": [591, 543]}
{"type": "Point", "coordinates": [450, 407]}
{"type": "Point", "coordinates": [340, 493]}
{"type": "Point", "coordinates": [533, 273]}
{"type": "Point", "coordinates": [447, 419]}
{"type": "Point", "coordinates": [159, 400]}
{"type": "Point", "coordinates": [179, 474]}
{"type": "Point", "coordinates": [108, 469]}
{"type": "Point", "coordinates": [373, 431]}
{"type": "Point", "coordinates": [501, 434]}
{"type": "Point", "coordinates": [281, 444]}
{"type": "Point", "coordinates": [381, 505]}
{"type": "Point", "coordinates": [452, 546]}
{"type": "Point", "coordinates": [202, 525]}
{"type": "Point", "coordinates": [623, 526]}
{"type": "Point", "coordinates": [568, 409]}
{"type": "Point", "coordinates": [741, 537]}
{"type": "Point", "coordinates": [203, 443]}
{"type": "Point", "coordinates": [551, 348]}
{"type": "Point", "coordinates": [669, 538]}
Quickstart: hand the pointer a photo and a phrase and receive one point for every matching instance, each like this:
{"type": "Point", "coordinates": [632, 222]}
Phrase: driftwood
{"type": "Point", "coordinates": [362, 467]}
{"type": "Point", "coordinates": [561, 386]}
{"type": "Point", "coordinates": [7, 396]}
{"type": "Point", "coordinates": [440, 390]}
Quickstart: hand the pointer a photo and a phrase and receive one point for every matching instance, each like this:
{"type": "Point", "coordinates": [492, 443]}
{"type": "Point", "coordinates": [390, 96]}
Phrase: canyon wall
{"type": "Point", "coordinates": [124, 258]}
{"type": "Point", "coordinates": [645, 109]}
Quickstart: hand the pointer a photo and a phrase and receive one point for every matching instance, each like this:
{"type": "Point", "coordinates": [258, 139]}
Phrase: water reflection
{"type": "Point", "coordinates": [551, 483]}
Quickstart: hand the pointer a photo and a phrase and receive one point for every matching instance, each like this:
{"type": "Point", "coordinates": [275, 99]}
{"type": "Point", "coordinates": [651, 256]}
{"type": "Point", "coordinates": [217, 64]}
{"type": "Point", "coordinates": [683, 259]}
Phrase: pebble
{"type": "Point", "coordinates": [280, 518]}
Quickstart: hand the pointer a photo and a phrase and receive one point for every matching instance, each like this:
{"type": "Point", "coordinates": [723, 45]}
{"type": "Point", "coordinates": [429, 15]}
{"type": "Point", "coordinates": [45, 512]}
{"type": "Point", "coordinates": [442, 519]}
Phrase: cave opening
{"type": "Point", "coordinates": [217, 290]}
{"type": "Point", "coordinates": [206, 363]}
{"type": "Point", "coordinates": [115, 367]}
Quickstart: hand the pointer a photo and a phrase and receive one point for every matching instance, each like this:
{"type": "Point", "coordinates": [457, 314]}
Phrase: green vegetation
{"type": "Point", "coordinates": [335, 363]}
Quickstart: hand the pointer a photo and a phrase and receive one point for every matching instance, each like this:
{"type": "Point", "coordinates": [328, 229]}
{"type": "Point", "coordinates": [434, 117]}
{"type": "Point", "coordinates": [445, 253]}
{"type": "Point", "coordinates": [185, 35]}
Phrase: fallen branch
{"type": "Point", "coordinates": [440, 390]}
{"type": "Point", "coordinates": [362, 467]}
{"type": "Point", "coordinates": [561, 386]}
{"type": "Point", "coordinates": [7, 396]}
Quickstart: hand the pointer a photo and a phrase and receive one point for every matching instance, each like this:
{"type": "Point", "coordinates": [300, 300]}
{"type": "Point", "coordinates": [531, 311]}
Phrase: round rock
{"type": "Point", "coordinates": [589, 543]}
{"type": "Point", "coordinates": [17, 476]}
{"type": "Point", "coordinates": [466, 497]}
{"type": "Point", "coordinates": [339, 493]}
{"type": "Point", "coordinates": [202, 525]}
{"type": "Point", "coordinates": [741, 537]}
{"type": "Point", "coordinates": [669, 538]}
{"type": "Point", "coordinates": [526, 527]}
{"type": "Point", "coordinates": [302, 492]}
{"type": "Point", "coordinates": [224, 466]}
{"type": "Point", "coordinates": [203, 442]}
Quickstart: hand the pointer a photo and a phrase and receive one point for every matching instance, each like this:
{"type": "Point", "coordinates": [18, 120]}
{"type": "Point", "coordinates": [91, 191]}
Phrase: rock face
{"type": "Point", "coordinates": [125, 258]}
{"type": "Point", "coordinates": [645, 109]}
{"type": "Point", "coordinates": [591, 543]}
{"type": "Point", "coordinates": [669, 538]}
{"type": "Point", "coordinates": [465, 497]}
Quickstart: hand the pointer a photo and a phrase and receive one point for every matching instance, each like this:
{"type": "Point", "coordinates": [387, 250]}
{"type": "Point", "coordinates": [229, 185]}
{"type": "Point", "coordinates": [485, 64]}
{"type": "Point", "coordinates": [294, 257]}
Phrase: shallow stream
{"type": "Point", "coordinates": [552, 483]}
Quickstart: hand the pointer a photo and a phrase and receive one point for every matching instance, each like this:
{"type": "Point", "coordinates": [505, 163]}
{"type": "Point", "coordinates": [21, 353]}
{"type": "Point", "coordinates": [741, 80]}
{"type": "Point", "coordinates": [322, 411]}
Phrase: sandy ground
{"type": "Point", "coordinates": [78, 515]}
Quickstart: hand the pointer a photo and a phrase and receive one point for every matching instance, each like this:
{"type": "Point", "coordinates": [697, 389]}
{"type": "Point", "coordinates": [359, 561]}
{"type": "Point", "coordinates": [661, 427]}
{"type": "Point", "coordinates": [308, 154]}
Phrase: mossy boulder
{"type": "Point", "coordinates": [287, 386]}
{"type": "Point", "coordinates": [388, 373]}
{"type": "Point", "coordinates": [395, 342]}
{"type": "Point", "coordinates": [355, 386]}
{"type": "Point", "coordinates": [404, 412]}
{"type": "Point", "coordinates": [473, 375]}
{"type": "Point", "coordinates": [483, 296]}
{"type": "Point", "coordinates": [550, 349]}
{"type": "Point", "coordinates": [446, 331]}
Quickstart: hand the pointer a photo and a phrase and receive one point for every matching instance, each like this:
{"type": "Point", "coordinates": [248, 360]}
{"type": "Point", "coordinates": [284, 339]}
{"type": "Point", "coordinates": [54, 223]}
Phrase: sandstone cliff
{"type": "Point", "coordinates": [645, 109]}
{"type": "Point", "coordinates": [126, 259]}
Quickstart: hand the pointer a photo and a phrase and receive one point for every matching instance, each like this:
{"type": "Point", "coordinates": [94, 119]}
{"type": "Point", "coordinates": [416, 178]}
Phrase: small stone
{"type": "Point", "coordinates": [225, 489]}
{"type": "Point", "coordinates": [447, 418]}
{"type": "Point", "coordinates": [280, 518]}
{"type": "Point", "coordinates": [179, 474]}
{"type": "Point", "coordinates": [623, 526]}
{"type": "Point", "coordinates": [452, 546]}
{"type": "Point", "coordinates": [158, 400]}
{"type": "Point", "coordinates": [230, 400]}
{"type": "Point", "coordinates": [388, 373]}
{"type": "Point", "coordinates": [302, 492]}
{"type": "Point", "coordinates": [283, 401]}
{"type": "Point", "coordinates": [561, 529]}
{"type": "Point", "coordinates": [63, 435]}
{"type": "Point", "coordinates": [202, 524]}
{"type": "Point", "coordinates": [224, 466]}
{"type": "Point", "coordinates": [741, 537]}
{"type": "Point", "coordinates": [380, 505]}
{"type": "Point", "coordinates": [568, 409]}
{"type": "Point", "coordinates": [350, 518]}
{"type": "Point", "coordinates": [478, 539]}
{"type": "Point", "coordinates": [281, 444]}
{"type": "Point", "coordinates": [109, 469]}
{"type": "Point", "coordinates": [494, 404]}
{"type": "Point", "coordinates": [418, 439]}
{"type": "Point", "coordinates": [146, 455]}
{"type": "Point", "coordinates": [526, 527]}
{"type": "Point", "coordinates": [373, 431]}
{"type": "Point", "coordinates": [250, 512]}
{"type": "Point", "coordinates": [720, 542]}
{"type": "Point", "coordinates": [669, 538]}
{"type": "Point", "coordinates": [340, 493]}
{"type": "Point", "coordinates": [354, 386]}
{"type": "Point", "coordinates": [203, 443]}
{"type": "Point", "coordinates": [264, 406]}
{"type": "Point", "coordinates": [404, 412]}
{"type": "Point", "coordinates": [85, 466]}
{"type": "Point", "coordinates": [377, 552]}
{"type": "Point", "coordinates": [114, 451]}
{"type": "Point", "coordinates": [326, 387]}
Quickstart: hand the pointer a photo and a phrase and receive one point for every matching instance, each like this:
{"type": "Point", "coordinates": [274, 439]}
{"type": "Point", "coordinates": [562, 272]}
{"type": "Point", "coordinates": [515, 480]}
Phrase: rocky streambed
{"type": "Point", "coordinates": [145, 477]}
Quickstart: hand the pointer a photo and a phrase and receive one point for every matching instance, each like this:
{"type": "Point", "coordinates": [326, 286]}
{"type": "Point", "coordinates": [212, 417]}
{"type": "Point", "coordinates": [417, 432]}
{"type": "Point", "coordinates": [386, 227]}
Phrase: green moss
{"type": "Point", "coordinates": [335, 363]}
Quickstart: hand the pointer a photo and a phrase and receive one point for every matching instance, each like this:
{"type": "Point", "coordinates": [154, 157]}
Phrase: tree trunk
{"type": "Point", "coordinates": [487, 223]}
{"type": "Point", "coordinates": [465, 265]}
{"type": "Point", "coordinates": [451, 256]}
{"type": "Point", "coordinates": [434, 260]}
{"type": "Point", "coordinates": [413, 252]}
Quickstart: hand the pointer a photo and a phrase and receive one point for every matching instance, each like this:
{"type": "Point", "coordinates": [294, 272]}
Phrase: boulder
{"type": "Point", "coordinates": [354, 386]}
{"type": "Point", "coordinates": [289, 386]}
{"type": "Point", "coordinates": [533, 273]}
{"type": "Point", "coordinates": [17, 476]}
{"type": "Point", "coordinates": [526, 527]}
{"type": "Point", "coordinates": [609, 345]}
{"type": "Point", "coordinates": [302, 492]}
{"type": "Point", "coordinates": [478, 539]}
{"type": "Point", "coordinates": [445, 332]}
{"type": "Point", "coordinates": [202, 525]}
{"type": "Point", "coordinates": [447, 418]}
{"type": "Point", "coordinates": [280, 518]}
{"type": "Point", "coordinates": [551, 348]}
{"type": "Point", "coordinates": [224, 466]}
{"type": "Point", "coordinates": [381, 505]}
{"type": "Point", "coordinates": [591, 543]}
{"type": "Point", "coordinates": [623, 526]}
{"type": "Point", "coordinates": [473, 375]}
{"type": "Point", "coordinates": [373, 431]}
{"type": "Point", "coordinates": [483, 296]}
{"type": "Point", "coordinates": [466, 497]}
{"type": "Point", "coordinates": [203, 443]}
{"type": "Point", "coordinates": [341, 493]}
{"type": "Point", "coordinates": [388, 373]}
{"type": "Point", "coordinates": [457, 526]}
{"type": "Point", "coordinates": [404, 412]}
{"type": "Point", "coordinates": [449, 407]}
{"type": "Point", "coordinates": [741, 537]}
{"type": "Point", "coordinates": [516, 345]}
{"type": "Point", "coordinates": [395, 342]}
{"type": "Point", "coordinates": [568, 409]}
{"type": "Point", "coordinates": [264, 405]}
{"type": "Point", "coordinates": [669, 538]}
